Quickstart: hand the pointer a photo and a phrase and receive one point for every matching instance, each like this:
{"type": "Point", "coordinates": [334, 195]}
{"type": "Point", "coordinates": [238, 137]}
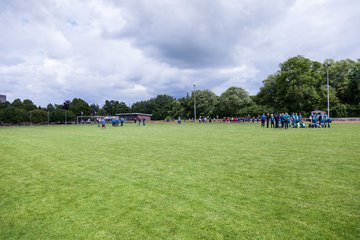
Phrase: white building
{"type": "Point", "coordinates": [2, 98]}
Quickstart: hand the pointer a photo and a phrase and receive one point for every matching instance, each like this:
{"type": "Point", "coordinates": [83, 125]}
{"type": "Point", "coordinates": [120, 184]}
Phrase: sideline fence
{"type": "Point", "coordinates": [352, 119]}
{"type": "Point", "coordinates": [337, 120]}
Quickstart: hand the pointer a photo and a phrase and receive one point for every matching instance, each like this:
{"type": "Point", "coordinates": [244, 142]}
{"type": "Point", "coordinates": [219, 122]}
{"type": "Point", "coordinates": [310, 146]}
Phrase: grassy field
{"type": "Point", "coordinates": [219, 181]}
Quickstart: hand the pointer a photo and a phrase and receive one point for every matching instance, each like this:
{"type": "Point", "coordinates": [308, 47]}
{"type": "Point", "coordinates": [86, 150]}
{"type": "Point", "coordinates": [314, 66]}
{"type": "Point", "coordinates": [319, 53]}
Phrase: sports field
{"type": "Point", "coordinates": [214, 181]}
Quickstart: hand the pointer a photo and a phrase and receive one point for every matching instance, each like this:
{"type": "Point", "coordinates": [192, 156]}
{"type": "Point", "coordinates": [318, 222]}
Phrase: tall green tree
{"type": "Point", "coordinates": [165, 106]}
{"type": "Point", "coordinates": [28, 105]}
{"type": "Point", "coordinates": [339, 76]}
{"type": "Point", "coordinates": [232, 101]}
{"type": "Point", "coordinates": [109, 107]}
{"type": "Point", "coordinates": [354, 90]}
{"type": "Point", "coordinates": [13, 114]}
{"type": "Point", "coordinates": [113, 107]}
{"type": "Point", "coordinates": [295, 87]}
{"type": "Point", "coordinates": [4, 105]}
{"type": "Point", "coordinates": [66, 104]}
{"type": "Point", "coordinates": [50, 107]}
{"type": "Point", "coordinates": [146, 106]}
{"type": "Point", "coordinates": [206, 102]}
{"type": "Point", "coordinates": [344, 76]}
{"type": "Point", "coordinates": [60, 115]}
{"type": "Point", "coordinates": [17, 103]}
{"type": "Point", "coordinates": [79, 107]}
{"type": "Point", "coordinates": [94, 108]}
{"type": "Point", "coordinates": [39, 116]}
{"type": "Point", "coordinates": [186, 107]}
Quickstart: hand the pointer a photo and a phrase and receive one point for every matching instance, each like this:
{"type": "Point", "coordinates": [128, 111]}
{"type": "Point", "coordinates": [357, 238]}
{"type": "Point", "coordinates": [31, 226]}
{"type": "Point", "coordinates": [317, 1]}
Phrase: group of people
{"type": "Point", "coordinates": [295, 120]}
{"type": "Point", "coordinates": [282, 120]}
{"type": "Point", "coordinates": [117, 122]}
{"type": "Point", "coordinates": [319, 120]}
{"type": "Point", "coordinates": [114, 122]}
{"type": "Point", "coordinates": [205, 119]}
{"type": "Point", "coordinates": [270, 120]}
{"type": "Point", "coordinates": [247, 119]}
{"type": "Point", "coordinates": [101, 121]}
{"type": "Point", "coordinates": [139, 121]}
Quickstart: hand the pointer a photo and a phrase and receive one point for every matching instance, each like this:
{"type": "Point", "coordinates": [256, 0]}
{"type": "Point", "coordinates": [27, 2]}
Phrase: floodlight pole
{"type": "Point", "coordinates": [194, 105]}
{"type": "Point", "coordinates": [328, 94]}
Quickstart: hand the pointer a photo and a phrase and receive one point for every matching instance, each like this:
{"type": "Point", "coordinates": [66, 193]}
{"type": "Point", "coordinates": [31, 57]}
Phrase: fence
{"type": "Point", "coordinates": [339, 120]}
{"type": "Point", "coordinates": [352, 119]}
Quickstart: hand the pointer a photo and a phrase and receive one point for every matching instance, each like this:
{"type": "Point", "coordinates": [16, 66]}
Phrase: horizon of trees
{"type": "Point", "coordinates": [298, 86]}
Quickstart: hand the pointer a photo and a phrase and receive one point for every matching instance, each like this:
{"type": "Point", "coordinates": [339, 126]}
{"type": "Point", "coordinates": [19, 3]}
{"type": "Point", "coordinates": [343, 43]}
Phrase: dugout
{"type": "Point", "coordinates": [131, 116]}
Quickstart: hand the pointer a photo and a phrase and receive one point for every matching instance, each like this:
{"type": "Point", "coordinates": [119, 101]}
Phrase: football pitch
{"type": "Point", "coordinates": [189, 181]}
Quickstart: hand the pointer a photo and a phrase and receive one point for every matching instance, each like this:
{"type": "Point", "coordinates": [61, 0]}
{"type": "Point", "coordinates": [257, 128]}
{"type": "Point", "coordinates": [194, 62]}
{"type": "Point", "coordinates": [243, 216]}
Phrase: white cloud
{"type": "Point", "coordinates": [131, 50]}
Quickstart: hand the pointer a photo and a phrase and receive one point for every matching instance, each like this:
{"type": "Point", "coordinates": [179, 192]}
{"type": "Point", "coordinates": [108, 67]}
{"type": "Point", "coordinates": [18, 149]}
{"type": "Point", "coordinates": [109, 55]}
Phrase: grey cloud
{"type": "Point", "coordinates": [131, 50]}
{"type": "Point", "coordinates": [196, 33]}
{"type": "Point", "coordinates": [4, 60]}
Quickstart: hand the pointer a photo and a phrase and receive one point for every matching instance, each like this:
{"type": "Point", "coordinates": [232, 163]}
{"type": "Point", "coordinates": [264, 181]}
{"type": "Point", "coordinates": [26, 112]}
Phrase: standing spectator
{"type": "Point", "coordinates": [272, 120]}
{"type": "Point", "coordinates": [179, 120]}
{"type": "Point", "coordinates": [320, 120]}
{"type": "Point", "coordinates": [282, 120]}
{"type": "Point", "coordinates": [296, 120]}
{"type": "Point", "coordinates": [263, 119]}
{"type": "Point", "coordinates": [267, 120]}
{"type": "Point", "coordinates": [286, 120]}
{"type": "Point", "coordinates": [328, 120]}
{"type": "Point", "coordinates": [314, 121]}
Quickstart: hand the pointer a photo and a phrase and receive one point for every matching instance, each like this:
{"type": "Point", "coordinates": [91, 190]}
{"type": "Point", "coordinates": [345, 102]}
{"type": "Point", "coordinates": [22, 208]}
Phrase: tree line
{"type": "Point", "coordinates": [298, 86]}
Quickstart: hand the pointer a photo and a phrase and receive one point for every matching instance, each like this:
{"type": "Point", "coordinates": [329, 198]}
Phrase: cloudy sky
{"type": "Point", "coordinates": [130, 50]}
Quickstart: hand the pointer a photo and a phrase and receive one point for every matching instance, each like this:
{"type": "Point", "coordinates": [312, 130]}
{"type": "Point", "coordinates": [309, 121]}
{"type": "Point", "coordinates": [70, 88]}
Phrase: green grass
{"type": "Point", "coordinates": [219, 181]}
